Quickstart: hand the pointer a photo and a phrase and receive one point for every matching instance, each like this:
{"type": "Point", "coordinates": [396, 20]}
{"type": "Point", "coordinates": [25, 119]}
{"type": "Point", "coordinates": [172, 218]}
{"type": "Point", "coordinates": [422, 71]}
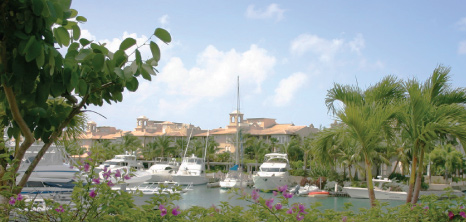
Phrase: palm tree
{"type": "Point", "coordinates": [164, 143]}
{"type": "Point", "coordinates": [292, 149]}
{"type": "Point", "coordinates": [431, 112]}
{"type": "Point", "coordinates": [368, 117]}
{"type": "Point", "coordinates": [150, 150]}
{"type": "Point", "coordinates": [273, 142]}
{"type": "Point", "coordinates": [256, 147]}
{"type": "Point", "coordinates": [180, 145]}
{"type": "Point", "coordinates": [446, 158]}
{"type": "Point", "coordinates": [211, 150]}
{"type": "Point", "coordinates": [130, 143]}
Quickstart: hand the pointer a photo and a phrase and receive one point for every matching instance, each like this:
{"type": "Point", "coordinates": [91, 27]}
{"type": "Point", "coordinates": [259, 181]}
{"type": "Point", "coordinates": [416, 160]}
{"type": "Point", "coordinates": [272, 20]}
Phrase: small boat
{"type": "Point", "coordinates": [304, 190]}
{"type": "Point", "coordinates": [191, 171]}
{"type": "Point", "coordinates": [273, 173]}
{"type": "Point", "coordinates": [320, 193]}
{"type": "Point", "coordinates": [166, 187]}
{"type": "Point", "coordinates": [380, 194]}
{"type": "Point", "coordinates": [126, 164]}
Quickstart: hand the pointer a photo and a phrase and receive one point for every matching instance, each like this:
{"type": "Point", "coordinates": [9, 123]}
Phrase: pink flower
{"type": "Point", "coordinates": [215, 208]}
{"type": "Point", "coordinates": [287, 195]}
{"type": "Point", "coordinates": [344, 218]}
{"type": "Point", "coordinates": [96, 180]}
{"type": "Point", "coordinates": [289, 211]}
{"type": "Point", "coordinates": [451, 215]}
{"type": "Point", "coordinates": [302, 208]}
{"type": "Point", "coordinates": [269, 203]}
{"type": "Point", "coordinates": [12, 201]}
{"type": "Point", "coordinates": [176, 211]}
{"type": "Point", "coordinates": [127, 177]}
{"type": "Point", "coordinates": [60, 209]}
{"type": "Point", "coordinates": [92, 194]}
{"type": "Point", "coordinates": [278, 206]}
{"type": "Point", "coordinates": [283, 188]}
{"type": "Point", "coordinates": [254, 195]}
{"type": "Point", "coordinates": [299, 217]}
{"type": "Point", "coordinates": [110, 184]}
{"type": "Point", "coordinates": [117, 173]}
{"type": "Point", "coordinates": [19, 198]}
{"type": "Point", "coordinates": [463, 214]}
{"type": "Point", "coordinates": [275, 193]}
{"type": "Point", "coordinates": [105, 169]}
{"type": "Point", "coordinates": [89, 153]}
{"type": "Point", "coordinates": [86, 167]}
{"type": "Point", "coordinates": [163, 210]}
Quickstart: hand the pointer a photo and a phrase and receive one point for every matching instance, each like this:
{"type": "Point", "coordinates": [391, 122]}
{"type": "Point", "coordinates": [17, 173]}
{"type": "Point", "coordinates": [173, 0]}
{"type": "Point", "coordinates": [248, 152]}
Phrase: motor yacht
{"type": "Point", "coordinates": [163, 169]}
{"type": "Point", "coordinates": [273, 173]}
{"type": "Point", "coordinates": [191, 171]}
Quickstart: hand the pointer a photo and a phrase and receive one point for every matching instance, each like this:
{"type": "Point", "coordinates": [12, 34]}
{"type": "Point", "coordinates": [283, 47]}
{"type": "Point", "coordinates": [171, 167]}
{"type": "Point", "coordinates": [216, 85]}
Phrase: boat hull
{"type": "Point", "coordinates": [269, 183]}
{"type": "Point", "coordinates": [188, 179]}
{"type": "Point", "coordinates": [357, 192]}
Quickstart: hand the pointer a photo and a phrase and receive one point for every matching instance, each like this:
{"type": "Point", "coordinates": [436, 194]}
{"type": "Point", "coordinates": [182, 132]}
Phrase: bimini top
{"type": "Point", "coordinates": [276, 157]}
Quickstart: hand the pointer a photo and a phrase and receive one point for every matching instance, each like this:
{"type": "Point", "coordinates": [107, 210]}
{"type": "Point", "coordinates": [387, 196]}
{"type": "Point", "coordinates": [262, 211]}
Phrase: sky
{"type": "Point", "coordinates": [287, 54]}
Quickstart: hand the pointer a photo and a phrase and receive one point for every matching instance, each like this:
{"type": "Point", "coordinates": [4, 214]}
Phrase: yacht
{"type": "Point", "coordinates": [191, 171]}
{"type": "Point", "coordinates": [54, 168]}
{"type": "Point", "coordinates": [233, 179]}
{"type": "Point", "coordinates": [380, 194]}
{"type": "Point", "coordinates": [126, 164]}
{"type": "Point", "coordinates": [273, 173]}
{"type": "Point", "coordinates": [163, 169]}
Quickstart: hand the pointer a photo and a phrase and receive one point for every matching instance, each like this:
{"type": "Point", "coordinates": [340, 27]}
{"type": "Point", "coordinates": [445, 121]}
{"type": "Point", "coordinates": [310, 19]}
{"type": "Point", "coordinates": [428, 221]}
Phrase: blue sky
{"type": "Point", "coordinates": [287, 54]}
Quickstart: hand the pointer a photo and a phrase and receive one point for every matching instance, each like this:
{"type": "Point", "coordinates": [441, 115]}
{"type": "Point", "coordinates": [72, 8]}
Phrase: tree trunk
{"type": "Point", "coordinates": [349, 172]}
{"type": "Point", "coordinates": [370, 185]}
{"type": "Point", "coordinates": [412, 175]}
{"type": "Point", "coordinates": [420, 171]}
{"type": "Point", "coordinates": [396, 166]}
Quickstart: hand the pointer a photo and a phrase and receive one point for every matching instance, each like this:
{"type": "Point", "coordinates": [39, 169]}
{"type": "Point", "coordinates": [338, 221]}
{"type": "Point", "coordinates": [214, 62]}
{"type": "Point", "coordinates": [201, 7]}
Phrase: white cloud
{"type": "Point", "coordinates": [288, 87]}
{"type": "Point", "coordinates": [462, 48]}
{"type": "Point", "coordinates": [215, 72]}
{"type": "Point", "coordinates": [87, 35]}
{"type": "Point", "coordinates": [325, 49]}
{"type": "Point", "coordinates": [357, 44]}
{"type": "Point", "coordinates": [461, 24]}
{"type": "Point", "coordinates": [272, 11]}
{"type": "Point", "coordinates": [163, 20]}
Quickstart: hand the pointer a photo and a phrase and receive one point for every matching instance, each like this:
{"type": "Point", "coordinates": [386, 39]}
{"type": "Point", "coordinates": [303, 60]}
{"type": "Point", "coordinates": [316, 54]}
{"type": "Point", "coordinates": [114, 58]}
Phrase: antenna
{"type": "Point", "coordinates": [187, 145]}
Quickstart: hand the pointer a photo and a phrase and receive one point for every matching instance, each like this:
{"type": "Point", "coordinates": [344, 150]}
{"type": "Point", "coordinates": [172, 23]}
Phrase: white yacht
{"type": "Point", "coordinates": [380, 194]}
{"type": "Point", "coordinates": [191, 171]}
{"type": "Point", "coordinates": [126, 164]}
{"type": "Point", "coordinates": [163, 169]}
{"type": "Point", "coordinates": [273, 173]}
{"type": "Point", "coordinates": [55, 166]}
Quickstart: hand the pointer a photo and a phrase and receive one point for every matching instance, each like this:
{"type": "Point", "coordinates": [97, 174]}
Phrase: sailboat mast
{"type": "Point", "coordinates": [237, 126]}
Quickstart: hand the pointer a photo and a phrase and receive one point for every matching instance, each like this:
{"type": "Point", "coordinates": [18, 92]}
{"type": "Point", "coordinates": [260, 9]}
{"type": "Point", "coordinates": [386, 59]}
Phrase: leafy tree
{"type": "Point", "coordinates": [211, 150]}
{"type": "Point", "coordinates": [130, 143]}
{"type": "Point", "coordinates": [447, 159]}
{"type": "Point", "coordinates": [431, 112]}
{"type": "Point", "coordinates": [256, 148]}
{"type": "Point", "coordinates": [164, 144]}
{"type": "Point", "coordinates": [42, 90]}
{"type": "Point", "coordinates": [368, 117]}
{"type": "Point", "coordinates": [273, 142]}
{"type": "Point", "coordinates": [150, 150]}
{"type": "Point", "coordinates": [180, 145]}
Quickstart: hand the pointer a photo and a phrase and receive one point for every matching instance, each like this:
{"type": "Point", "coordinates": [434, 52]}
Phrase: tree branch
{"type": "Point", "coordinates": [52, 139]}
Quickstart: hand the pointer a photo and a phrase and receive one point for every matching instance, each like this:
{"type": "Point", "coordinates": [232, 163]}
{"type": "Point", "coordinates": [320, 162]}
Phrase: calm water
{"type": "Point", "coordinates": [205, 197]}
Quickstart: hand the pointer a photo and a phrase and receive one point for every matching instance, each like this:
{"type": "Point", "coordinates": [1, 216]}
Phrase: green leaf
{"type": "Point", "coordinates": [37, 7]}
{"type": "Point", "coordinates": [82, 86]}
{"type": "Point", "coordinates": [40, 60]}
{"type": "Point", "coordinates": [127, 43]}
{"type": "Point", "coordinates": [118, 96]}
{"type": "Point", "coordinates": [76, 32]}
{"type": "Point", "coordinates": [154, 48]}
{"type": "Point", "coordinates": [62, 36]}
{"type": "Point", "coordinates": [73, 46]}
{"type": "Point", "coordinates": [128, 72]}
{"type": "Point", "coordinates": [81, 19]}
{"type": "Point", "coordinates": [31, 40]}
{"type": "Point", "coordinates": [138, 57]}
{"type": "Point", "coordinates": [84, 42]}
{"type": "Point", "coordinates": [119, 72]}
{"type": "Point", "coordinates": [74, 79]}
{"type": "Point", "coordinates": [133, 84]}
{"type": "Point", "coordinates": [120, 58]}
{"type": "Point", "coordinates": [83, 54]}
{"type": "Point", "coordinates": [98, 61]}
{"type": "Point", "coordinates": [21, 35]}
{"type": "Point", "coordinates": [163, 35]}
{"type": "Point", "coordinates": [74, 13]}
{"type": "Point", "coordinates": [33, 51]}
{"type": "Point", "coordinates": [148, 69]}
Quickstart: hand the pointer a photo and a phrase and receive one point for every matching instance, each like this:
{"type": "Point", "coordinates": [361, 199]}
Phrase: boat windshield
{"type": "Point", "coordinates": [196, 161]}
{"type": "Point", "coordinates": [266, 169]}
{"type": "Point", "coordinates": [276, 160]}
{"type": "Point", "coordinates": [116, 163]}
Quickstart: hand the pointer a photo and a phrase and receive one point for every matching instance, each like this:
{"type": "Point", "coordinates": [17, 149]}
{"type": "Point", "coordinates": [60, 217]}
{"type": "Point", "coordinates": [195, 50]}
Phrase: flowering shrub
{"type": "Point", "coordinates": [93, 199]}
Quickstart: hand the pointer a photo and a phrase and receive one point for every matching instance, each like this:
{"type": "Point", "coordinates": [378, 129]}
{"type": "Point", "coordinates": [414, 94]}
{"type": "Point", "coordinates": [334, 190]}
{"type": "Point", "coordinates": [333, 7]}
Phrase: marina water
{"type": "Point", "coordinates": [204, 197]}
